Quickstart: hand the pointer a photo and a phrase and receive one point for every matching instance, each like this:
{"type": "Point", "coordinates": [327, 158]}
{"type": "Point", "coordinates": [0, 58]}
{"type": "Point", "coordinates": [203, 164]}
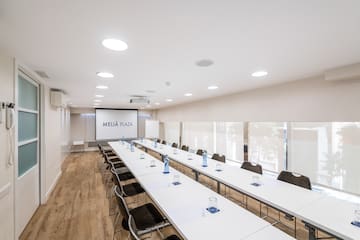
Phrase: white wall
{"type": "Point", "coordinates": [307, 100]}
{"type": "Point", "coordinates": [6, 171]}
{"type": "Point", "coordinates": [56, 133]}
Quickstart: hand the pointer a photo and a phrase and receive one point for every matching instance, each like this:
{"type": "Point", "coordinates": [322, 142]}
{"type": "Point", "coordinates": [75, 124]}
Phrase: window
{"type": "Point", "coordinates": [267, 145]}
{"type": "Point", "coordinates": [199, 135]}
{"type": "Point", "coordinates": [229, 140]}
{"type": "Point", "coordinates": [172, 132]}
{"type": "Point", "coordinates": [327, 152]}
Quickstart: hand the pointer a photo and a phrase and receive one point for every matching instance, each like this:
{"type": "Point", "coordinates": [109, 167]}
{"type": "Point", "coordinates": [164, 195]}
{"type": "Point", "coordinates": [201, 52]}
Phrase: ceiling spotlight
{"type": "Point", "coordinates": [99, 96]}
{"type": "Point", "coordinates": [188, 94]}
{"type": "Point", "coordinates": [97, 100]}
{"type": "Point", "coordinates": [105, 74]}
{"type": "Point", "coordinates": [213, 87]}
{"type": "Point", "coordinates": [169, 100]}
{"type": "Point", "coordinates": [259, 74]}
{"type": "Point", "coordinates": [114, 44]}
{"type": "Point", "coordinates": [157, 103]}
{"type": "Point", "coordinates": [102, 87]}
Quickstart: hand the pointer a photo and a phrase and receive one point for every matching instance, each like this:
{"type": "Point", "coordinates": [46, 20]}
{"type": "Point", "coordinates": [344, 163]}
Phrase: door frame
{"type": "Point", "coordinates": [21, 67]}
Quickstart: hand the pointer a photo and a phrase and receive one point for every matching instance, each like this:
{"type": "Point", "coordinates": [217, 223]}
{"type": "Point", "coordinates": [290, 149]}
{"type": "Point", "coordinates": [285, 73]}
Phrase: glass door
{"type": "Point", "coordinates": [27, 197]}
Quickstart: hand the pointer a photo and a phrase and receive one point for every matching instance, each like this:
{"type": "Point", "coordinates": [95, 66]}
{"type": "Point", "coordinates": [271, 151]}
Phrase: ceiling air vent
{"type": "Point", "coordinates": [42, 74]}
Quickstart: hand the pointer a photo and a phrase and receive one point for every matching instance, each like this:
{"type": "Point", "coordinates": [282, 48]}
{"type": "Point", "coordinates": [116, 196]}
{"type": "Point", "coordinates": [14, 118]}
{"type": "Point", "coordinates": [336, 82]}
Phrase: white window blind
{"type": "Point", "coordinates": [199, 135]}
{"type": "Point", "coordinates": [229, 139]}
{"type": "Point", "coordinates": [267, 144]}
{"type": "Point", "coordinates": [172, 132]}
{"type": "Point", "coordinates": [327, 152]}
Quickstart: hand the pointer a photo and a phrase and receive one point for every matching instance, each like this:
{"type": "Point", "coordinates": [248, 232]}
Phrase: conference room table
{"type": "Point", "coordinates": [185, 204]}
{"type": "Point", "coordinates": [324, 212]}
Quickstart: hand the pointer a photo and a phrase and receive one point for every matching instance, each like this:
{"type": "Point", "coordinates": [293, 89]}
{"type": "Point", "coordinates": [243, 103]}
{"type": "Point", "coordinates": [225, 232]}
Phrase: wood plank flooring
{"type": "Point", "coordinates": [79, 209]}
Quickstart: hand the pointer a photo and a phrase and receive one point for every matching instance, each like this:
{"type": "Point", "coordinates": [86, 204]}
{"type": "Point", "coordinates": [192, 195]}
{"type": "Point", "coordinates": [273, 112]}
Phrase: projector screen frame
{"type": "Point", "coordinates": [130, 109]}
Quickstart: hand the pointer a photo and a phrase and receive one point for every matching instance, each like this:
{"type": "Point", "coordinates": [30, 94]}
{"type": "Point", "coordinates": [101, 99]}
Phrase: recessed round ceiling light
{"type": "Point", "coordinates": [102, 87]}
{"type": "Point", "coordinates": [204, 63]}
{"type": "Point", "coordinates": [105, 74]}
{"type": "Point", "coordinates": [97, 100]}
{"type": "Point", "coordinates": [188, 94]}
{"type": "Point", "coordinates": [114, 44]}
{"type": "Point", "coordinates": [213, 87]}
{"type": "Point", "coordinates": [169, 100]}
{"type": "Point", "coordinates": [99, 96]}
{"type": "Point", "coordinates": [259, 74]}
{"type": "Point", "coordinates": [157, 103]}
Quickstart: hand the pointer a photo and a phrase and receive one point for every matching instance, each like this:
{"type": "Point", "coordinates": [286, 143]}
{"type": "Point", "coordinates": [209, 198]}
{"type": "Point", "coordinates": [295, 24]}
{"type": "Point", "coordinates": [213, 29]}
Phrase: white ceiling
{"type": "Point", "coordinates": [289, 39]}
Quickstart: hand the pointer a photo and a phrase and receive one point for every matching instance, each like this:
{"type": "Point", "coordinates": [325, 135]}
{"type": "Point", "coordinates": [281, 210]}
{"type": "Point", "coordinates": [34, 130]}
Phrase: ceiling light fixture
{"type": "Point", "coordinates": [157, 103]}
{"type": "Point", "coordinates": [102, 87]}
{"type": "Point", "coordinates": [114, 44]}
{"type": "Point", "coordinates": [105, 74]}
{"type": "Point", "coordinates": [188, 94]}
{"type": "Point", "coordinates": [213, 87]}
{"type": "Point", "coordinates": [99, 96]}
{"type": "Point", "coordinates": [169, 100]}
{"type": "Point", "coordinates": [97, 100]}
{"type": "Point", "coordinates": [259, 74]}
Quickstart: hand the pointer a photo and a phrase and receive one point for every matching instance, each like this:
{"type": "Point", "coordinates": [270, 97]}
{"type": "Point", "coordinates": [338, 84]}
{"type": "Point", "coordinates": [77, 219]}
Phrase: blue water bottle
{"type": "Point", "coordinates": [155, 143]}
{"type": "Point", "coordinates": [132, 147]}
{"type": "Point", "coordinates": [204, 163]}
{"type": "Point", "coordinates": [166, 164]}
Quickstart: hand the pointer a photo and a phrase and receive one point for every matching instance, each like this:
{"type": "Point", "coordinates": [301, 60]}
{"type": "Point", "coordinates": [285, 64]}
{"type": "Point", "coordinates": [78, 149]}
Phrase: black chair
{"type": "Point", "coordinates": [163, 142]}
{"type": "Point", "coordinates": [256, 168]}
{"type": "Point", "coordinates": [296, 179]}
{"type": "Point", "coordinates": [199, 152]}
{"type": "Point", "coordinates": [146, 217]}
{"type": "Point", "coordinates": [174, 145]}
{"type": "Point", "coordinates": [127, 190]}
{"type": "Point", "coordinates": [185, 148]}
{"type": "Point", "coordinates": [132, 229]}
{"type": "Point", "coordinates": [158, 140]}
{"type": "Point", "coordinates": [218, 157]}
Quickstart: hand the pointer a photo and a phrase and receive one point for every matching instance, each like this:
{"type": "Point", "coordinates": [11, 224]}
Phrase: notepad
{"type": "Point", "coordinates": [213, 210]}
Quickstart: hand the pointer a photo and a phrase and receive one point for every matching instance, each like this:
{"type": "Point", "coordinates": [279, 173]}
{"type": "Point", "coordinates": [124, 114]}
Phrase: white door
{"type": "Point", "coordinates": [27, 197]}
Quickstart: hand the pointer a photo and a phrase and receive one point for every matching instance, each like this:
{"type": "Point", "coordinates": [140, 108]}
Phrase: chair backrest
{"type": "Point", "coordinates": [199, 152]}
{"type": "Point", "coordinates": [218, 157]}
{"type": "Point", "coordinates": [132, 228]}
{"type": "Point", "coordinates": [163, 142]}
{"type": "Point", "coordinates": [174, 145]}
{"type": "Point", "coordinates": [185, 148]}
{"type": "Point", "coordinates": [252, 167]}
{"type": "Point", "coordinates": [115, 177]}
{"type": "Point", "coordinates": [158, 140]}
{"type": "Point", "coordinates": [124, 210]}
{"type": "Point", "coordinates": [296, 179]}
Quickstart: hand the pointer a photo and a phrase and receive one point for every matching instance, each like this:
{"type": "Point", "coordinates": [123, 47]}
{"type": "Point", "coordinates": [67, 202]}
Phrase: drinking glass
{"type": "Point", "coordinates": [176, 178]}
{"type": "Point", "coordinates": [142, 156]}
{"type": "Point", "coordinates": [218, 167]}
{"type": "Point", "coordinates": [213, 206]}
{"type": "Point", "coordinates": [152, 163]}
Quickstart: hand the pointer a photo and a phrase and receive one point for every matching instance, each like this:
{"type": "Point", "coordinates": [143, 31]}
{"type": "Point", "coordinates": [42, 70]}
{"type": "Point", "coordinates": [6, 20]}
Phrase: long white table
{"type": "Point", "coordinates": [304, 204]}
{"type": "Point", "coordinates": [185, 204]}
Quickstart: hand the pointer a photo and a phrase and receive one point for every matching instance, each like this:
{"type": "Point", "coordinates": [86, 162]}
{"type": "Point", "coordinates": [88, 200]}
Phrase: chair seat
{"type": "Point", "coordinates": [146, 216]}
{"type": "Point", "coordinates": [119, 165]}
{"type": "Point", "coordinates": [125, 176]}
{"type": "Point", "coordinates": [172, 237]}
{"type": "Point", "coordinates": [133, 189]}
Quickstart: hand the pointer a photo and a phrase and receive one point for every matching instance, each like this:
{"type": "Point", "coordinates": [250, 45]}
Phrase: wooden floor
{"type": "Point", "coordinates": [78, 208]}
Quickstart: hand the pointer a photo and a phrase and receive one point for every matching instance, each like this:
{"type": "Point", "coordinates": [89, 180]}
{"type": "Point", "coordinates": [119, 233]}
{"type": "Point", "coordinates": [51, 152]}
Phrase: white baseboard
{"type": "Point", "coordinates": [48, 193]}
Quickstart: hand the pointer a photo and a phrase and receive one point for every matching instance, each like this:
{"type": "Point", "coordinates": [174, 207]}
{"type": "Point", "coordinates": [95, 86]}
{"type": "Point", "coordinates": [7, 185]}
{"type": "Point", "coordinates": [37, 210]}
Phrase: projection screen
{"type": "Point", "coordinates": [114, 124]}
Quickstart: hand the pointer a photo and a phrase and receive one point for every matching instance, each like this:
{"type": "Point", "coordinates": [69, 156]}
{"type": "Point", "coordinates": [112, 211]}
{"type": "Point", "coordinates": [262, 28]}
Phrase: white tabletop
{"type": "Point", "coordinates": [332, 215]}
{"type": "Point", "coordinates": [185, 204]}
{"type": "Point", "coordinates": [318, 209]}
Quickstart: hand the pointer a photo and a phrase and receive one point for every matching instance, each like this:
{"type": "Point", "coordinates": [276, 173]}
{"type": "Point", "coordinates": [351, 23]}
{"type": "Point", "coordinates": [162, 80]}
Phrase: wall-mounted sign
{"type": "Point", "coordinates": [116, 124]}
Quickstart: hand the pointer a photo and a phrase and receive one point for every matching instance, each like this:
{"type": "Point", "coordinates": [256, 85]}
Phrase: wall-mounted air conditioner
{"type": "Point", "coordinates": [57, 98]}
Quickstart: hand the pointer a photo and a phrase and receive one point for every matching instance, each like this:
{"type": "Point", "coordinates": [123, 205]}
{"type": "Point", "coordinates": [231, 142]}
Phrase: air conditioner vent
{"type": "Point", "coordinates": [42, 74]}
